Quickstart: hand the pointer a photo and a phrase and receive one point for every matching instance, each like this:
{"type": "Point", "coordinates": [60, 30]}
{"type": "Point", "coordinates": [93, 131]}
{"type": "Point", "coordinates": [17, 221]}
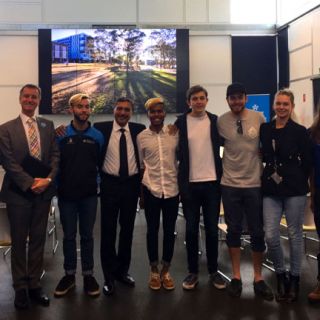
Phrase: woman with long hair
{"type": "Point", "coordinates": [287, 157]}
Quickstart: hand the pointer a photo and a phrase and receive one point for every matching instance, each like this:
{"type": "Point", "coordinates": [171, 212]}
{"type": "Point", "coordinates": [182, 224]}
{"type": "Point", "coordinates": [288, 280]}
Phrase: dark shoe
{"type": "Point", "coordinates": [126, 279]}
{"type": "Point", "coordinates": [190, 282]}
{"type": "Point", "coordinates": [261, 289]}
{"type": "Point", "coordinates": [65, 285]}
{"type": "Point", "coordinates": [314, 296]}
{"type": "Point", "coordinates": [90, 286]}
{"type": "Point", "coordinates": [39, 297]}
{"type": "Point", "coordinates": [108, 287]}
{"type": "Point", "coordinates": [282, 287]}
{"type": "Point", "coordinates": [234, 288]}
{"type": "Point", "coordinates": [293, 292]}
{"type": "Point", "coordinates": [217, 281]}
{"type": "Point", "coordinates": [21, 300]}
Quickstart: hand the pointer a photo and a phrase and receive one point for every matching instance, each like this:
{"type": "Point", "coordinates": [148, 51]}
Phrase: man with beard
{"type": "Point", "coordinates": [240, 185]}
{"type": "Point", "coordinates": [80, 148]}
{"type": "Point", "coordinates": [120, 188]}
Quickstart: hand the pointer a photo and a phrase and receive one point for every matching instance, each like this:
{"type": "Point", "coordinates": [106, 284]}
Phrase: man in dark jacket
{"type": "Point", "coordinates": [80, 148]}
{"type": "Point", "coordinates": [199, 177]}
{"type": "Point", "coordinates": [120, 188]}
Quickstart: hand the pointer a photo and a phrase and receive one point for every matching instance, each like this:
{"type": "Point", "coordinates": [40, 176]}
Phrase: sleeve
{"type": "Point", "coordinates": [54, 154]}
{"type": "Point", "coordinates": [140, 151]}
{"type": "Point", "coordinates": [9, 162]}
{"type": "Point", "coordinates": [305, 151]}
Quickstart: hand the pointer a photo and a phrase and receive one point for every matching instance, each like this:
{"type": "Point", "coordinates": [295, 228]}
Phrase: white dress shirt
{"type": "Point", "coordinates": [158, 159]}
{"type": "Point", "coordinates": [111, 164]}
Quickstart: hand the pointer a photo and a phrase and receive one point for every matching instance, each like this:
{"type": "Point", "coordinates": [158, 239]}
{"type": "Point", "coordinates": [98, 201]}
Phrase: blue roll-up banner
{"type": "Point", "coordinates": [261, 103]}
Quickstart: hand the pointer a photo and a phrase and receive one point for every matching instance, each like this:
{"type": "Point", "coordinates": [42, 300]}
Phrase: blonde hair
{"type": "Point", "coordinates": [287, 92]}
{"type": "Point", "coordinates": [77, 98]}
{"type": "Point", "coordinates": [153, 102]}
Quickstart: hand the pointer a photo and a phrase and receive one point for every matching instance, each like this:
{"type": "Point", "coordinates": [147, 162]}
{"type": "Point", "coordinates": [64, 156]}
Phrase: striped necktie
{"type": "Point", "coordinates": [34, 146]}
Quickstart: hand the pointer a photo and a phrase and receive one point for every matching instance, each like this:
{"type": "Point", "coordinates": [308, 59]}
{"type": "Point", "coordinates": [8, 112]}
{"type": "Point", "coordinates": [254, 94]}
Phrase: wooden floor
{"type": "Point", "coordinates": [141, 303]}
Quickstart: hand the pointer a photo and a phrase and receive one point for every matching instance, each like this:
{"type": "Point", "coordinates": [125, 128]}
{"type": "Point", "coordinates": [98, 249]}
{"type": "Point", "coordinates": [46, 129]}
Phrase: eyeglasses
{"type": "Point", "coordinates": [239, 127]}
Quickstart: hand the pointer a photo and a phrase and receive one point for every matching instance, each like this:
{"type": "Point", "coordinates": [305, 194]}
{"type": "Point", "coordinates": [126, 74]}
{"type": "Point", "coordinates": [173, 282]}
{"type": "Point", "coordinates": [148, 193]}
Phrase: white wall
{"type": "Point", "coordinates": [291, 9]}
{"type": "Point", "coordinates": [304, 57]}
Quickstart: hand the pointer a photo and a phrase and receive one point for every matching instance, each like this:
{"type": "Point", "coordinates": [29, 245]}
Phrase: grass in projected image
{"type": "Point", "coordinates": [105, 83]}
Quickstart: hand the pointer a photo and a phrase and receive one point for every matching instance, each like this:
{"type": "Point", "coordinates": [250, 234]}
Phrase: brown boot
{"type": "Point", "coordinates": [314, 296]}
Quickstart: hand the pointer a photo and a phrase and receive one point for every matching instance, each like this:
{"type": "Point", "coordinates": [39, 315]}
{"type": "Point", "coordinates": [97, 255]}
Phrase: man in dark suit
{"type": "Point", "coordinates": [30, 158]}
{"type": "Point", "coordinates": [120, 187]}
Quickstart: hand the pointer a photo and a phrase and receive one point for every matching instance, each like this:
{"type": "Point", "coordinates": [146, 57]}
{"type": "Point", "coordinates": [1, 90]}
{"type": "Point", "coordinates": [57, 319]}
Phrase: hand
{"type": "Point", "coordinates": [172, 129]}
{"type": "Point", "coordinates": [40, 185]}
{"type": "Point", "coordinates": [60, 131]}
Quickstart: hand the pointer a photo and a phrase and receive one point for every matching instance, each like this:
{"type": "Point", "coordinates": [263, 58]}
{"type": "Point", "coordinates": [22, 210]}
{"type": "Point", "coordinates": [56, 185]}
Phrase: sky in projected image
{"type": "Point", "coordinates": [111, 63]}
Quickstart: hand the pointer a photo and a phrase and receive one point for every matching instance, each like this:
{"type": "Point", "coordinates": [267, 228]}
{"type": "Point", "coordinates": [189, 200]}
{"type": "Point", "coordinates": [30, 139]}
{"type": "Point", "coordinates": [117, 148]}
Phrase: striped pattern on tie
{"type": "Point", "coordinates": [34, 146]}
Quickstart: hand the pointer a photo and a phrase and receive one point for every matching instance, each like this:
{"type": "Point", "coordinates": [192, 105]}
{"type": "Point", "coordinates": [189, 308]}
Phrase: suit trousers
{"type": "Point", "coordinates": [118, 203]}
{"type": "Point", "coordinates": [28, 225]}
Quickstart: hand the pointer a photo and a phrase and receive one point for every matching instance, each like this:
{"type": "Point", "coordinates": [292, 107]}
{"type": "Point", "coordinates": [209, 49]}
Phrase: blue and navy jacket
{"type": "Point", "coordinates": [80, 154]}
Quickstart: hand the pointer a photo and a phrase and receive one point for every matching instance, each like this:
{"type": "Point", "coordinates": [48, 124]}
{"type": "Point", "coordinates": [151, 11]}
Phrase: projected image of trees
{"type": "Point", "coordinates": [111, 63]}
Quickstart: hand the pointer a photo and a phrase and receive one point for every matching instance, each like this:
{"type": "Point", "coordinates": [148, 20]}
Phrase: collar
{"type": "Point", "coordinates": [162, 131]}
{"type": "Point", "coordinates": [116, 127]}
{"type": "Point", "coordinates": [25, 118]}
{"type": "Point", "coordinates": [80, 131]}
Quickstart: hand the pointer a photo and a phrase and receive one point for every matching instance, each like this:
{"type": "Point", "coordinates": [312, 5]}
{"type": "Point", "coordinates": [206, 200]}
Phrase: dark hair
{"type": "Point", "coordinates": [30, 86]}
{"type": "Point", "coordinates": [236, 88]}
{"type": "Point", "coordinates": [125, 99]}
{"type": "Point", "coordinates": [195, 89]}
{"type": "Point", "coordinates": [315, 129]}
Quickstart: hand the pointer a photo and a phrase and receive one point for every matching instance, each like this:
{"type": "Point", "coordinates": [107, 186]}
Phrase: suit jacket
{"type": "Point", "coordinates": [183, 151]}
{"type": "Point", "coordinates": [106, 129]}
{"type": "Point", "coordinates": [14, 148]}
{"type": "Point", "coordinates": [292, 157]}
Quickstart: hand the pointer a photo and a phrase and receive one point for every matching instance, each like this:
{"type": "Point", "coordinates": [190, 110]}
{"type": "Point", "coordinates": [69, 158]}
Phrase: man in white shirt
{"type": "Point", "coordinates": [199, 175]}
{"type": "Point", "coordinates": [157, 149]}
{"type": "Point", "coordinates": [120, 188]}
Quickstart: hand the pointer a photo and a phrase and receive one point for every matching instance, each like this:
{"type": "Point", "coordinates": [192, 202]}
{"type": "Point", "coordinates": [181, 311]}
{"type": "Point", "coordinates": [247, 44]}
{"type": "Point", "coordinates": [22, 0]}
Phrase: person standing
{"type": "Point", "coordinates": [80, 149]}
{"type": "Point", "coordinates": [120, 187]}
{"type": "Point", "coordinates": [314, 295]}
{"type": "Point", "coordinates": [240, 184]}
{"type": "Point", "coordinates": [30, 158]}
{"type": "Point", "coordinates": [287, 155]}
{"type": "Point", "coordinates": [157, 149]}
{"type": "Point", "coordinates": [199, 175]}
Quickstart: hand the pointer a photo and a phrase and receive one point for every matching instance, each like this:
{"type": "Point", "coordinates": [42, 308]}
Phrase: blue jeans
{"type": "Point", "coordinates": [206, 195]}
{"type": "Point", "coordinates": [153, 207]}
{"type": "Point", "coordinates": [293, 209]}
{"type": "Point", "coordinates": [71, 211]}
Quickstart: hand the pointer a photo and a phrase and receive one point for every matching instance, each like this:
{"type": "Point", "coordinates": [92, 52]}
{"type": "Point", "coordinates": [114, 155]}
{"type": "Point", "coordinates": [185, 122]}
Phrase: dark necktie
{"type": "Point", "coordinates": [123, 170]}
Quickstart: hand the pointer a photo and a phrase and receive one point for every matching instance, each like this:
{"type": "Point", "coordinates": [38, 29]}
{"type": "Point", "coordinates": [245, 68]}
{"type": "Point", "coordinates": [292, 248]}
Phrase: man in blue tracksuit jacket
{"type": "Point", "coordinates": [80, 149]}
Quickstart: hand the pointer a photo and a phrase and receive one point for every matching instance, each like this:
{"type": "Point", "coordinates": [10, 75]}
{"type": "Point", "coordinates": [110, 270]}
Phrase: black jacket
{"type": "Point", "coordinates": [183, 151]}
{"type": "Point", "coordinates": [292, 157]}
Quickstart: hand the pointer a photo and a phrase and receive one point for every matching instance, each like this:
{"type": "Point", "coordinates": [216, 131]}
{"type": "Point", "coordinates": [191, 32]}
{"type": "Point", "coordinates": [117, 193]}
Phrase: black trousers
{"type": "Point", "coordinates": [118, 204]}
{"type": "Point", "coordinates": [153, 208]}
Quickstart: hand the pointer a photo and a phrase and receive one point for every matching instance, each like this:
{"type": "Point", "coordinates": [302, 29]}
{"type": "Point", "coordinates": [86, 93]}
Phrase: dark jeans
{"type": "Point", "coordinates": [118, 202]}
{"type": "Point", "coordinates": [239, 203]}
{"type": "Point", "coordinates": [71, 211]}
{"type": "Point", "coordinates": [169, 208]}
{"type": "Point", "coordinates": [206, 195]}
